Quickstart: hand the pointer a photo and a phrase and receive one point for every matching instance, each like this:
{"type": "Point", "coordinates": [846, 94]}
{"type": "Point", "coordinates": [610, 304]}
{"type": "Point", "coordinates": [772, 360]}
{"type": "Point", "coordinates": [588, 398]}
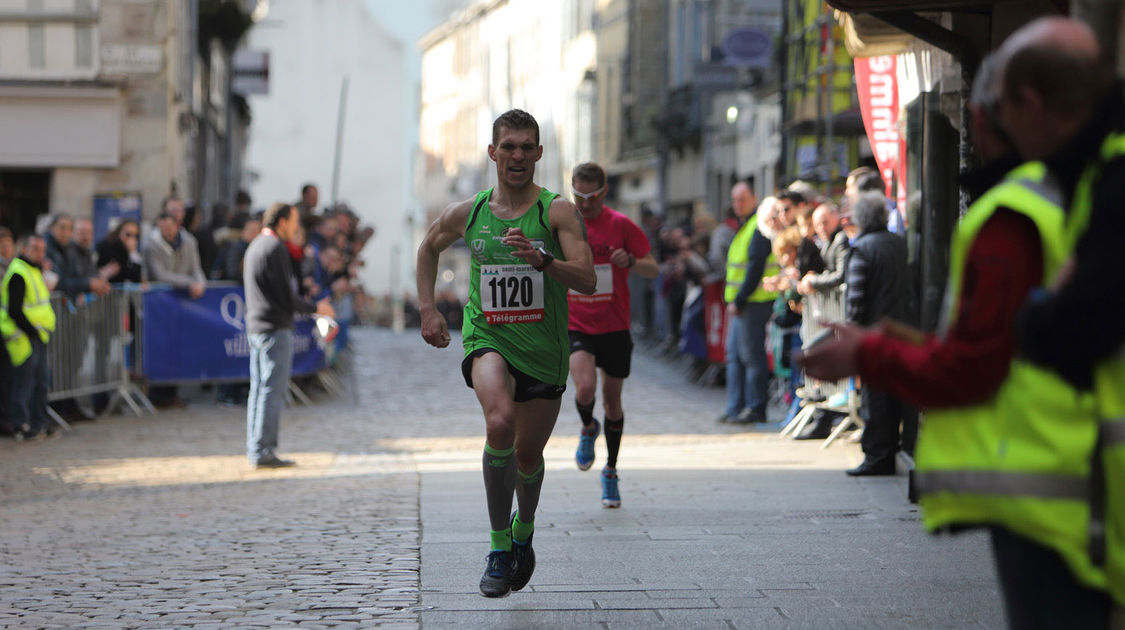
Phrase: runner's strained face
{"type": "Point", "coordinates": [515, 153]}
{"type": "Point", "coordinates": [588, 197]}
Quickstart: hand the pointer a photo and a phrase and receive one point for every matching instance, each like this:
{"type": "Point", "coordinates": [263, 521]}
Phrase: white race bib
{"type": "Point", "coordinates": [603, 290]}
{"type": "Point", "coordinates": [511, 294]}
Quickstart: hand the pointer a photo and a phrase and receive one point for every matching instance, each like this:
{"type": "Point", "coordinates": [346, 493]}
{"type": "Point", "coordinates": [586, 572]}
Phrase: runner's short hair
{"type": "Point", "coordinates": [514, 119]}
{"type": "Point", "coordinates": [589, 172]}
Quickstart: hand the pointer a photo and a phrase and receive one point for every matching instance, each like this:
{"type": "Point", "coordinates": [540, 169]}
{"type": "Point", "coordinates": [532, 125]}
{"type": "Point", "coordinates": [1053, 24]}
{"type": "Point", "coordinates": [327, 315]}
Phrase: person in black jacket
{"type": "Point", "coordinates": [878, 288]}
{"type": "Point", "coordinates": [228, 265]}
{"type": "Point", "coordinates": [271, 302]}
{"type": "Point", "coordinates": [64, 261]}
{"type": "Point", "coordinates": [122, 246]}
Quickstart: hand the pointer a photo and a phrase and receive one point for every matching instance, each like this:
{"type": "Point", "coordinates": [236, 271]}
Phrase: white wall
{"type": "Point", "coordinates": [313, 44]}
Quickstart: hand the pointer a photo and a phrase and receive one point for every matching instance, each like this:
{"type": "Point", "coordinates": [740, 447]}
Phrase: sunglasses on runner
{"type": "Point", "coordinates": [589, 195]}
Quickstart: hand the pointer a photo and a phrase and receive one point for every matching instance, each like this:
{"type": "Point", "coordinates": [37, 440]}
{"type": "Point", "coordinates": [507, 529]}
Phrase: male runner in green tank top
{"type": "Point", "coordinates": [528, 246]}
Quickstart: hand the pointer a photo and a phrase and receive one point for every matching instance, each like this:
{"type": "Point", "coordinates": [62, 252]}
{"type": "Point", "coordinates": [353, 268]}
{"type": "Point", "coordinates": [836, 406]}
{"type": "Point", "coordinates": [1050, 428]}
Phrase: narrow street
{"type": "Point", "coordinates": [157, 522]}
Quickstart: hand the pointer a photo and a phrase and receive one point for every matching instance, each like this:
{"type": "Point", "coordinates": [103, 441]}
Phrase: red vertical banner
{"type": "Point", "coordinates": [715, 322]}
{"type": "Point", "coordinates": [877, 85]}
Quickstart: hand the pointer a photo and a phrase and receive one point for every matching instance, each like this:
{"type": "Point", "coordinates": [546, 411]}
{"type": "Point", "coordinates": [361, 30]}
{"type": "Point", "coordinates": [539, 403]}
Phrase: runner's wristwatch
{"type": "Point", "coordinates": [548, 258]}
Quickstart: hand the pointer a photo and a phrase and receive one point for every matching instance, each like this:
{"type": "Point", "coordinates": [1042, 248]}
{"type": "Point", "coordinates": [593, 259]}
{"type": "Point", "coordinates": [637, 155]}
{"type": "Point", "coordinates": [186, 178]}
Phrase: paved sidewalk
{"type": "Point", "coordinates": [157, 522]}
{"type": "Point", "coordinates": [746, 532]}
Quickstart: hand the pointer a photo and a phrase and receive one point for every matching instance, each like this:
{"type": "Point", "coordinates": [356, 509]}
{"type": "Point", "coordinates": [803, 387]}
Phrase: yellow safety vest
{"type": "Point", "coordinates": [1021, 460]}
{"type": "Point", "coordinates": [36, 307]}
{"type": "Point", "coordinates": [1109, 394]}
{"type": "Point", "coordinates": [738, 258]}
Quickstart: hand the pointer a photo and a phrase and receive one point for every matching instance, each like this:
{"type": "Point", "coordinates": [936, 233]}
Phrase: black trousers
{"type": "Point", "coordinates": [1040, 591]}
{"type": "Point", "coordinates": [5, 385]}
{"type": "Point", "coordinates": [884, 414]}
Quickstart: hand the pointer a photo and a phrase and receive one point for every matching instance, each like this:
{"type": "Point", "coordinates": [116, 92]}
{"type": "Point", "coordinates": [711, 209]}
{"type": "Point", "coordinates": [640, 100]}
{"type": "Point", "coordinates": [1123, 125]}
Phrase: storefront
{"type": "Point", "coordinates": [53, 137]}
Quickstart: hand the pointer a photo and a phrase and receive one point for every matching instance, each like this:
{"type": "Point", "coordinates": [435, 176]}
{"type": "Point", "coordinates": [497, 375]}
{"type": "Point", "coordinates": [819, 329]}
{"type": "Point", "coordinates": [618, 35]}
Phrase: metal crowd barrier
{"type": "Point", "coordinates": [818, 307]}
{"type": "Point", "coordinates": [98, 348]}
{"type": "Point", "coordinates": [87, 353]}
{"type": "Point", "coordinates": [331, 375]}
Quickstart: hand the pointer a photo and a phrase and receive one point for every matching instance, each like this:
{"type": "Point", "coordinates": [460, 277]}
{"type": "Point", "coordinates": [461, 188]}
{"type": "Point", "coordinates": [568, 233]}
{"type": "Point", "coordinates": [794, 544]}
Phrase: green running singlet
{"type": "Point", "coordinates": [514, 309]}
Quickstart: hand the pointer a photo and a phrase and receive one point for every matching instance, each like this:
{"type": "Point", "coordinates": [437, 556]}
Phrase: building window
{"type": "Point", "coordinates": [36, 47]}
{"type": "Point", "coordinates": [49, 40]}
{"type": "Point", "coordinates": [84, 46]}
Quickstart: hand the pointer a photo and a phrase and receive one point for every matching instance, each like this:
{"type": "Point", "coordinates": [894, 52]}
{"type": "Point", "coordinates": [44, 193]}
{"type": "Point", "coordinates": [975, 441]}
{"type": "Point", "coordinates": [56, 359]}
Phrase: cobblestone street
{"type": "Point", "coordinates": [157, 522]}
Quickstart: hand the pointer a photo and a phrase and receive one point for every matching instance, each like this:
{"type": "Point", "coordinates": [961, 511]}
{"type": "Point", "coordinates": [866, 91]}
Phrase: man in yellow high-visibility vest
{"type": "Point", "coordinates": [1016, 452]}
{"type": "Point", "coordinates": [749, 306]}
{"type": "Point", "coordinates": [27, 323]}
{"type": "Point", "coordinates": [1074, 328]}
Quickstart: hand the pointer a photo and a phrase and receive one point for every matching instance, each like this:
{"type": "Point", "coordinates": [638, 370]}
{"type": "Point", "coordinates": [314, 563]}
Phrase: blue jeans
{"type": "Point", "coordinates": [796, 378]}
{"type": "Point", "coordinates": [271, 358]}
{"type": "Point", "coordinates": [28, 406]}
{"type": "Point", "coordinates": [748, 370]}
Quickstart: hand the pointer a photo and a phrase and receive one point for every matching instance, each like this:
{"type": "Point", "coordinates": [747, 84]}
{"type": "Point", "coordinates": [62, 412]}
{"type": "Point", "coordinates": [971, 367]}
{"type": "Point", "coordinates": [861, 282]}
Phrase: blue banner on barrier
{"type": "Point", "coordinates": [205, 339]}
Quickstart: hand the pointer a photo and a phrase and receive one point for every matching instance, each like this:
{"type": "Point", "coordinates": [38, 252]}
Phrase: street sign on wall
{"type": "Point", "coordinates": [250, 72]}
{"type": "Point", "coordinates": [131, 59]}
{"type": "Point", "coordinates": [748, 48]}
{"type": "Point", "coordinates": [110, 209]}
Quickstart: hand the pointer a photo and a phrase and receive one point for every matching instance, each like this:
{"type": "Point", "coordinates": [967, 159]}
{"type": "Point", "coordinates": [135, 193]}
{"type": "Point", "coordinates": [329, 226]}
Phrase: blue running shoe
{"type": "Point", "coordinates": [496, 581]}
{"type": "Point", "coordinates": [611, 498]}
{"type": "Point", "coordinates": [584, 457]}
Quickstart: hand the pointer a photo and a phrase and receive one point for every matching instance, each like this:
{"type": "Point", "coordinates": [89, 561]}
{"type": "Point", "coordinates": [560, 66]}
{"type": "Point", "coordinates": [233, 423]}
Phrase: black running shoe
{"type": "Point", "coordinates": [497, 578]}
{"type": "Point", "coordinates": [523, 561]}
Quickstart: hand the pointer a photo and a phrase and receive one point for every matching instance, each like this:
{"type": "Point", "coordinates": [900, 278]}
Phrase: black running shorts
{"type": "Point", "coordinates": [613, 352]}
{"type": "Point", "coordinates": [527, 387]}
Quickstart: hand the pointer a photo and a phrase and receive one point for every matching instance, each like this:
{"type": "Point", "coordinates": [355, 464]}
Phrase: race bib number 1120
{"type": "Point", "coordinates": [511, 294]}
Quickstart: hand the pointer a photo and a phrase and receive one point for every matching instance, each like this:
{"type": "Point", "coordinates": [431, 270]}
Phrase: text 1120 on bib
{"type": "Point", "coordinates": [511, 294]}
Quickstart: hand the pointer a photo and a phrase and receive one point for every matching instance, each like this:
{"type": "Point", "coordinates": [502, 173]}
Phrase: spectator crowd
{"type": "Point", "coordinates": [772, 257]}
{"type": "Point", "coordinates": [179, 250]}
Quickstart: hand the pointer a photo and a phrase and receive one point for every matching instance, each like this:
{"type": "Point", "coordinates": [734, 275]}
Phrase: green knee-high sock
{"type": "Point", "coordinates": [586, 412]}
{"type": "Point", "coordinates": [499, 482]}
{"type": "Point", "coordinates": [527, 496]}
{"type": "Point", "coordinates": [613, 431]}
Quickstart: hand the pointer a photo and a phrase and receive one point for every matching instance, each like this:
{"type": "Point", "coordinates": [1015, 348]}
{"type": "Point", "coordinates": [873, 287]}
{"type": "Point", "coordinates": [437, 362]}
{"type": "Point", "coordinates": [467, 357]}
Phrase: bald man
{"type": "Point", "coordinates": [743, 202]}
{"type": "Point", "coordinates": [1077, 326]}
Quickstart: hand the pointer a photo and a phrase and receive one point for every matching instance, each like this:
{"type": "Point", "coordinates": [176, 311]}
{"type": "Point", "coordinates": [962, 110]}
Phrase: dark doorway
{"type": "Point", "coordinates": [24, 195]}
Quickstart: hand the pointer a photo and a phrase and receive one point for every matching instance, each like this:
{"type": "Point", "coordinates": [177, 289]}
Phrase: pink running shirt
{"type": "Point", "coordinates": [607, 310]}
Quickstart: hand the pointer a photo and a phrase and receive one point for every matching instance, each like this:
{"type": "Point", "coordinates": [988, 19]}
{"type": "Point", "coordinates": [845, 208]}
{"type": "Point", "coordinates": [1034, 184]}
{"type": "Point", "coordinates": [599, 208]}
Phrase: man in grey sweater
{"type": "Point", "coordinates": [271, 302]}
{"type": "Point", "coordinates": [171, 256]}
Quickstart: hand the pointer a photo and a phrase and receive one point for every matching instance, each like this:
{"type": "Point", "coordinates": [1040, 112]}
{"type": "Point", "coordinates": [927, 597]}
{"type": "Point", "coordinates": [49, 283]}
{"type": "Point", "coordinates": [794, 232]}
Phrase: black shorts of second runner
{"type": "Point", "coordinates": [527, 387]}
{"type": "Point", "coordinates": [613, 352]}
